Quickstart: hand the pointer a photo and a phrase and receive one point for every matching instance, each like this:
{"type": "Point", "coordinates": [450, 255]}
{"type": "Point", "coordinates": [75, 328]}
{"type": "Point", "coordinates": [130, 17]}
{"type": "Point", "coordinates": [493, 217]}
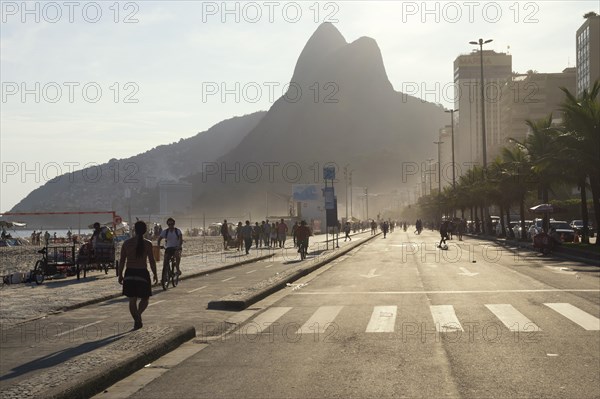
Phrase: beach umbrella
{"type": "Point", "coordinates": [8, 225]}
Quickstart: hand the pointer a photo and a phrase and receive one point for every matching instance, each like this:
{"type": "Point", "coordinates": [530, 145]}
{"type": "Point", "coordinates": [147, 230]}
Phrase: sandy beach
{"type": "Point", "coordinates": [23, 258]}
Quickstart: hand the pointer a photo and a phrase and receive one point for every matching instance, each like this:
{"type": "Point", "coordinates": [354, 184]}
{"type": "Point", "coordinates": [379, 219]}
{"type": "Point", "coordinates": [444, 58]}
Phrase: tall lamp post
{"type": "Point", "coordinates": [451, 112]}
{"type": "Point", "coordinates": [429, 173]}
{"type": "Point", "coordinates": [481, 42]}
{"type": "Point", "coordinates": [346, 179]}
{"type": "Point", "coordinates": [439, 143]}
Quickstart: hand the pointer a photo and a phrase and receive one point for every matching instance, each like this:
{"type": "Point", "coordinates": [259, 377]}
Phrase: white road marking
{"type": "Point", "coordinates": [466, 272]}
{"type": "Point", "coordinates": [576, 315]}
{"type": "Point", "coordinates": [154, 303]}
{"type": "Point", "coordinates": [227, 279]}
{"type": "Point", "coordinates": [445, 318]}
{"type": "Point", "coordinates": [197, 289]}
{"type": "Point", "coordinates": [264, 320]}
{"type": "Point", "coordinates": [371, 274]}
{"type": "Point", "coordinates": [267, 266]}
{"type": "Point", "coordinates": [251, 271]}
{"type": "Point", "coordinates": [320, 320]}
{"type": "Point", "coordinates": [78, 328]}
{"type": "Point", "coordinates": [439, 292]}
{"type": "Point", "coordinates": [383, 319]}
{"type": "Point", "coordinates": [512, 318]}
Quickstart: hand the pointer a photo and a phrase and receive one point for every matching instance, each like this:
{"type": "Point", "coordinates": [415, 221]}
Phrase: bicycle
{"type": "Point", "coordinates": [169, 273]}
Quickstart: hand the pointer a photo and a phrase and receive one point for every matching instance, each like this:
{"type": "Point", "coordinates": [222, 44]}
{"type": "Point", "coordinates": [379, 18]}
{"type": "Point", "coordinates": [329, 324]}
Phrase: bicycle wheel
{"type": "Point", "coordinates": [38, 272]}
{"type": "Point", "coordinates": [165, 278]}
{"type": "Point", "coordinates": [174, 275]}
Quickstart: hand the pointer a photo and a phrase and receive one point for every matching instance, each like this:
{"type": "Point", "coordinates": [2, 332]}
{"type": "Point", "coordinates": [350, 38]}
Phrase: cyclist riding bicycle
{"type": "Point", "coordinates": [173, 243]}
{"type": "Point", "coordinates": [302, 235]}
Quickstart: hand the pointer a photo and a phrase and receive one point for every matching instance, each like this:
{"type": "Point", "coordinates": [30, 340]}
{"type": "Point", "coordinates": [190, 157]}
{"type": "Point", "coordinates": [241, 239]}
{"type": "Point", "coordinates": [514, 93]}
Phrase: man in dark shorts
{"type": "Point", "coordinates": [225, 233]}
{"type": "Point", "coordinates": [135, 253]}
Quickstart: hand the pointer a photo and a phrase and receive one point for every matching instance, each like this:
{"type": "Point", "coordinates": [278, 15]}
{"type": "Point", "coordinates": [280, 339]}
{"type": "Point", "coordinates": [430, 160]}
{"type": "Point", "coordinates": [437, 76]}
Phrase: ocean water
{"type": "Point", "coordinates": [26, 233]}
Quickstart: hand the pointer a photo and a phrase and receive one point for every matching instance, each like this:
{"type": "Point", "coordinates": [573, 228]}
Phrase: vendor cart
{"type": "Point", "coordinates": [56, 261]}
{"type": "Point", "coordinates": [100, 256]}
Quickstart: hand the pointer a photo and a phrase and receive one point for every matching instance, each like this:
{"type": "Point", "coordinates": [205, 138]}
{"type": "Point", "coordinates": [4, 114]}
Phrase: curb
{"type": "Point", "coordinates": [104, 376]}
{"type": "Point", "coordinates": [261, 292]}
{"type": "Point", "coordinates": [92, 372]}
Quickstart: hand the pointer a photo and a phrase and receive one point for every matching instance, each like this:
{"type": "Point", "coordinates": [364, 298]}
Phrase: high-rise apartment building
{"type": "Point", "coordinates": [497, 69]}
{"type": "Point", "coordinates": [588, 53]}
{"type": "Point", "coordinates": [532, 96]}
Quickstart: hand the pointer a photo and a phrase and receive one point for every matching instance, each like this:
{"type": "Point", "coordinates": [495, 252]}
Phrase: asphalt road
{"type": "Point", "coordinates": [398, 317]}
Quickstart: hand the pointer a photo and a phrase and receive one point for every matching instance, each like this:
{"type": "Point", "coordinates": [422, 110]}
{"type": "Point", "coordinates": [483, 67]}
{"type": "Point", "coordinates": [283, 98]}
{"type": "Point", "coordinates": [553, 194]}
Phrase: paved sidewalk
{"type": "Point", "coordinates": [20, 303]}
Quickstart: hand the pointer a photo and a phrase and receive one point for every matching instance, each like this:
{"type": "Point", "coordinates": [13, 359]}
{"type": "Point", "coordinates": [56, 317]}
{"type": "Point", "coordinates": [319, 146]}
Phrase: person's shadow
{"type": "Point", "coordinates": [59, 357]}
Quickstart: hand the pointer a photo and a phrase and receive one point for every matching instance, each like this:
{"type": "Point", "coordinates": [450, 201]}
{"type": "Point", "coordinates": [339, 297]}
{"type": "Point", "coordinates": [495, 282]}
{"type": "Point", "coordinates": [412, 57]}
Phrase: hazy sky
{"type": "Point", "coordinates": [84, 82]}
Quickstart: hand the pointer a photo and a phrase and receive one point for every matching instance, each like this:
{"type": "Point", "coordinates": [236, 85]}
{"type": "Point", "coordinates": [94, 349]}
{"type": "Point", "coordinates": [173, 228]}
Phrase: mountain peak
{"type": "Point", "coordinates": [325, 40]}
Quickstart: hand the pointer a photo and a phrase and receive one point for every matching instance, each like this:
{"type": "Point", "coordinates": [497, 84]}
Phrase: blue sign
{"type": "Point", "coordinates": [329, 173]}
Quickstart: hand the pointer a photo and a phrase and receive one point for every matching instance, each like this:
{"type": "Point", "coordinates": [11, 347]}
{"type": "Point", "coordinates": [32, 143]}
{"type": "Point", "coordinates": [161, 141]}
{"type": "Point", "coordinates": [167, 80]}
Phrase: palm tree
{"type": "Point", "coordinates": [517, 169]}
{"type": "Point", "coordinates": [581, 139]}
{"type": "Point", "coordinates": [541, 148]}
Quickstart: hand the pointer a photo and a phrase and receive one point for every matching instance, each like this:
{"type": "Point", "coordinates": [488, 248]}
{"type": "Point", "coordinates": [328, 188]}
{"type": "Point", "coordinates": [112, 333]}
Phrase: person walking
{"type": "Point", "coordinates": [294, 228]}
{"type": "Point", "coordinates": [238, 235]}
{"type": "Point", "coordinates": [443, 233]}
{"type": "Point", "coordinates": [225, 234]}
{"type": "Point", "coordinates": [267, 233]}
{"type": "Point", "coordinates": [347, 229]}
{"type": "Point", "coordinates": [385, 227]}
{"type": "Point", "coordinates": [245, 233]}
{"type": "Point", "coordinates": [282, 230]}
{"type": "Point", "coordinates": [256, 233]}
{"type": "Point", "coordinates": [274, 228]}
{"type": "Point", "coordinates": [136, 253]}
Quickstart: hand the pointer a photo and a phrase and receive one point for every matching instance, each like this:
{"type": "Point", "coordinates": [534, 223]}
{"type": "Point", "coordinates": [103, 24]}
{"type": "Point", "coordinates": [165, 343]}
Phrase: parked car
{"type": "Point", "coordinates": [562, 228]}
{"type": "Point", "coordinates": [577, 225]}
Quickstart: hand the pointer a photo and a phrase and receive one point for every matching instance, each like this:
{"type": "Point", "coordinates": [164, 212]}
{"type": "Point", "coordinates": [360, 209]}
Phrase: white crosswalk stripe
{"type": "Point", "coordinates": [512, 318]}
{"type": "Point", "coordinates": [576, 315]}
{"type": "Point", "coordinates": [320, 320]}
{"type": "Point", "coordinates": [383, 319]}
{"type": "Point", "coordinates": [264, 320]}
{"type": "Point", "coordinates": [445, 318]}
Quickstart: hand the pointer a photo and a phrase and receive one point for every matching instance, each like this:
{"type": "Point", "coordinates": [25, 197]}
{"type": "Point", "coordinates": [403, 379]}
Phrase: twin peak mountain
{"type": "Point", "coordinates": [340, 108]}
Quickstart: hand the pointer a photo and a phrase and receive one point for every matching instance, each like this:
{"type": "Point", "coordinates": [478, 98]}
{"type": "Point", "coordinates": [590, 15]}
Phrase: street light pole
{"type": "Point", "coordinates": [367, 199]}
{"type": "Point", "coordinates": [481, 42]}
{"type": "Point", "coordinates": [346, 178]}
{"type": "Point", "coordinates": [439, 144]}
{"type": "Point", "coordinates": [351, 193]}
{"type": "Point", "coordinates": [452, 111]}
{"type": "Point", "coordinates": [429, 173]}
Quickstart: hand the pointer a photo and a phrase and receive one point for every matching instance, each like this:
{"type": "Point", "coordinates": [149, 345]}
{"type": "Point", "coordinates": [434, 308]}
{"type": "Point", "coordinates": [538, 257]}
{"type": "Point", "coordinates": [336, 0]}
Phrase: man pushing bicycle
{"type": "Point", "coordinates": [173, 244]}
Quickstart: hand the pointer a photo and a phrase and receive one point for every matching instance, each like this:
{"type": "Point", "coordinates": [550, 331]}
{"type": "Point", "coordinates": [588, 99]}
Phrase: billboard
{"type": "Point", "coordinates": [306, 192]}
